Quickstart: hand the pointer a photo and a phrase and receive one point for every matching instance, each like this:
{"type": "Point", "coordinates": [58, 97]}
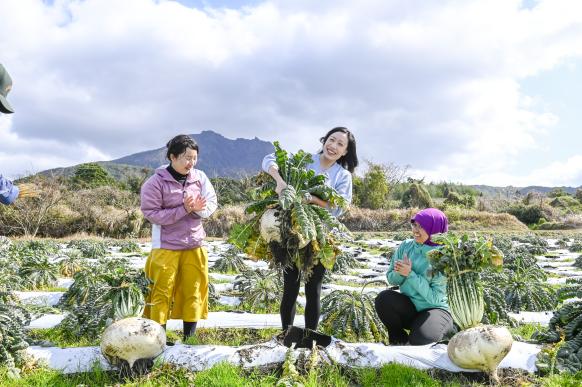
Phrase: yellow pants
{"type": "Point", "coordinates": [180, 285]}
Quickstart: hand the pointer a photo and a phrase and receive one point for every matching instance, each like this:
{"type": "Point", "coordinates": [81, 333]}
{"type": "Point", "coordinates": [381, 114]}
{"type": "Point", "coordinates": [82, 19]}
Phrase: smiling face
{"type": "Point", "coordinates": [184, 162]}
{"type": "Point", "coordinates": [420, 236]}
{"type": "Point", "coordinates": [335, 146]}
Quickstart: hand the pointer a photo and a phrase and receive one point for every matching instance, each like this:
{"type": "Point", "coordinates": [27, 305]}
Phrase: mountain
{"type": "Point", "coordinates": [218, 156]}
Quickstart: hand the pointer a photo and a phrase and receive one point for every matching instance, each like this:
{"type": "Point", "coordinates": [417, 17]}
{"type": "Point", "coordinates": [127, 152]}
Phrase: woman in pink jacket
{"type": "Point", "coordinates": [175, 200]}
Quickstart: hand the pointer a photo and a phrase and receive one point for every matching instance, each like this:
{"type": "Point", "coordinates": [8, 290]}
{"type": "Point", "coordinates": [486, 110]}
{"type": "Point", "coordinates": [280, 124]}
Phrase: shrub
{"type": "Point", "coordinates": [456, 199]}
{"type": "Point", "coordinates": [91, 175]}
{"type": "Point", "coordinates": [565, 202]}
{"type": "Point", "coordinates": [530, 214]}
{"type": "Point", "coordinates": [416, 196]}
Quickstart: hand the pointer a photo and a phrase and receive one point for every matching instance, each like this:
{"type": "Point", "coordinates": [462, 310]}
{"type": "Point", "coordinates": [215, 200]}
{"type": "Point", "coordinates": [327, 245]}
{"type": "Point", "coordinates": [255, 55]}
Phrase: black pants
{"type": "Point", "coordinates": [292, 282]}
{"type": "Point", "coordinates": [397, 312]}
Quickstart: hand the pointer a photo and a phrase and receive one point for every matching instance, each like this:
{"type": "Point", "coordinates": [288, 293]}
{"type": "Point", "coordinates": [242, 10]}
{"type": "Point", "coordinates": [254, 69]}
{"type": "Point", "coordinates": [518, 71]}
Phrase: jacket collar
{"type": "Point", "coordinates": [193, 175]}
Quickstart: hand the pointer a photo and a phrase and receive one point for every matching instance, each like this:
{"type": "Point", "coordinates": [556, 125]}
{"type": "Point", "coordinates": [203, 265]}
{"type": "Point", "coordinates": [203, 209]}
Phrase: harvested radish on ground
{"type": "Point", "coordinates": [132, 339]}
{"type": "Point", "coordinates": [482, 347]}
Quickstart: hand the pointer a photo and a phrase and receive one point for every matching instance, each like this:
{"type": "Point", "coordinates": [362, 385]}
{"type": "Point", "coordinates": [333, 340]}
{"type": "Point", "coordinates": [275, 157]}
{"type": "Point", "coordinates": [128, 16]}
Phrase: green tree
{"type": "Point", "coordinates": [358, 190]}
{"type": "Point", "coordinates": [579, 194]}
{"type": "Point", "coordinates": [457, 199]}
{"type": "Point", "coordinates": [375, 187]}
{"type": "Point", "coordinates": [91, 175]}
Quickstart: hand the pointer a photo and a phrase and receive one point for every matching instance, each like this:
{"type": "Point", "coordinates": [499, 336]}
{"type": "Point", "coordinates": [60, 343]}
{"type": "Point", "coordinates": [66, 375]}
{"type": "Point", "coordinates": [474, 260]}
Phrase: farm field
{"type": "Point", "coordinates": [238, 343]}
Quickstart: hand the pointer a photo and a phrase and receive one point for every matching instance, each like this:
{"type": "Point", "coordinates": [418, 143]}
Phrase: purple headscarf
{"type": "Point", "coordinates": [432, 221]}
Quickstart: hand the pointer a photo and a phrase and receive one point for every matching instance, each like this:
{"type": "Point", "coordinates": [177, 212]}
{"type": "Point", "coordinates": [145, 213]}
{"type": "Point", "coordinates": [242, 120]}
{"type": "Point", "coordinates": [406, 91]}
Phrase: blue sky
{"type": "Point", "coordinates": [472, 91]}
{"type": "Point", "coordinates": [559, 89]}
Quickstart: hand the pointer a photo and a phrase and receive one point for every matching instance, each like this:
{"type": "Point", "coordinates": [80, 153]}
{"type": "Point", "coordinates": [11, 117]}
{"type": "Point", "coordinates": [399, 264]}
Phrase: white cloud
{"type": "Point", "coordinates": [432, 84]}
{"type": "Point", "coordinates": [559, 173]}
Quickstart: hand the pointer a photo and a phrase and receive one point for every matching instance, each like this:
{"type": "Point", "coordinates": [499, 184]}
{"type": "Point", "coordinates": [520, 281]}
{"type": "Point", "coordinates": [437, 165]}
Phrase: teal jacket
{"type": "Point", "coordinates": [426, 291]}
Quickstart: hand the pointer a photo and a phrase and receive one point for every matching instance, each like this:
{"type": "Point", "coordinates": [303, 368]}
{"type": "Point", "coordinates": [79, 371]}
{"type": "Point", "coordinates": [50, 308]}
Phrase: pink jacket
{"type": "Point", "coordinates": [162, 203]}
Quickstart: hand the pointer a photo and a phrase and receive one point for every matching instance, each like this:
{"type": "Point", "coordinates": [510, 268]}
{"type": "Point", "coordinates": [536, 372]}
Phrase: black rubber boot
{"type": "Point", "coordinates": [293, 335]}
{"type": "Point", "coordinates": [313, 336]}
{"type": "Point", "coordinates": [304, 338]}
{"type": "Point", "coordinates": [189, 329]}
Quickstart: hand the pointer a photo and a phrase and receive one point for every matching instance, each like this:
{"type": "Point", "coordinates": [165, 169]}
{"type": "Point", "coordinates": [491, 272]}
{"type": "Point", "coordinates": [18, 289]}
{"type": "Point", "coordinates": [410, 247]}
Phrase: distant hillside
{"type": "Point", "coordinates": [488, 190]}
{"type": "Point", "coordinates": [218, 156]}
{"type": "Point", "coordinates": [118, 171]}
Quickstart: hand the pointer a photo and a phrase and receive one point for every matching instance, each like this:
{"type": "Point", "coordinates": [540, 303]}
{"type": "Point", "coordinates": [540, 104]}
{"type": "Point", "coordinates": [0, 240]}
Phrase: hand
{"type": "Point", "coordinates": [307, 198]}
{"type": "Point", "coordinates": [27, 190]}
{"type": "Point", "coordinates": [403, 267]}
{"type": "Point", "coordinates": [197, 203]}
{"type": "Point", "coordinates": [281, 185]}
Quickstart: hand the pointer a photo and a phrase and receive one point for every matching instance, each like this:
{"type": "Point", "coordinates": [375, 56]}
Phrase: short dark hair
{"type": "Point", "coordinates": [350, 160]}
{"type": "Point", "coordinates": [179, 144]}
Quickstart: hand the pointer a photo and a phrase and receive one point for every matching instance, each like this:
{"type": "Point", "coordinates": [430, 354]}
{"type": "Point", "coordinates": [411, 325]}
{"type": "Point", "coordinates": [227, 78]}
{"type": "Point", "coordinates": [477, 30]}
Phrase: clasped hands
{"type": "Point", "coordinates": [194, 203]}
{"type": "Point", "coordinates": [403, 266]}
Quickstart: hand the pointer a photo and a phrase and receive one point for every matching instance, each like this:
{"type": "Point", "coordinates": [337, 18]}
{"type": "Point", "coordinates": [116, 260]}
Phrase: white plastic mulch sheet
{"type": "Point", "coordinates": [522, 355]}
{"type": "Point", "coordinates": [542, 318]}
{"type": "Point", "coordinates": [69, 360]}
{"type": "Point", "coordinates": [39, 298]}
{"type": "Point", "coordinates": [272, 354]}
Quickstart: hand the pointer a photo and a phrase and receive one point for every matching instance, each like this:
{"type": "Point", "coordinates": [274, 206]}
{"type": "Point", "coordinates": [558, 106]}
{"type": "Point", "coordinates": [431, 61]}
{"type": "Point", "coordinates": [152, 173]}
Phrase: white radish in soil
{"type": "Point", "coordinates": [482, 347]}
{"type": "Point", "coordinates": [132, 339]}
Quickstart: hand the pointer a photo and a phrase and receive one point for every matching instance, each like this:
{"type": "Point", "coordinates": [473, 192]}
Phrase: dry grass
{"type": "Point", "coordinates": [361, 219]}
{"type": "Point", "coordinates": [220, 223]}
{"type": "Point", "coordinates": [473, 220]}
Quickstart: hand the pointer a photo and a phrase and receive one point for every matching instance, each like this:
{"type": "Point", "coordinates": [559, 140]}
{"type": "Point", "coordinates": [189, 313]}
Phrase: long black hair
{"type": "Point", "coordinates": [179, 144]}
{"type": "Point", "coordinates": [350, 160]}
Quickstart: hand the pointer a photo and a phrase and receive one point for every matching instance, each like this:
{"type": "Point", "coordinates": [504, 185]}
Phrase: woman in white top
{"type": "Point", "coordinates": [337, 161]}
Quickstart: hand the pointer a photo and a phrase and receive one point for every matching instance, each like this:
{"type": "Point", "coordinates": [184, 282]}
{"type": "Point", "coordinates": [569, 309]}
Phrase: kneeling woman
{"type": "Point", "coordinates": [174, 200]}
{"type": "Point", "coordinates": [421, 306]}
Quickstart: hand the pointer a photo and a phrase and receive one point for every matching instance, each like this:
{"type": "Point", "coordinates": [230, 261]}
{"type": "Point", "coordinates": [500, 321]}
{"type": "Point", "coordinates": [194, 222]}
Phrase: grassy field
{"type": "Point", "coordinates": [224, 374]}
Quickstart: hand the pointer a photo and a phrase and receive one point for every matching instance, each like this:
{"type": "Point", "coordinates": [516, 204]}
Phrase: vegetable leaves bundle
{"type": "Point", "coordinates": [461, 259]}
{"type": "Point", "coordinates": [306, 230]}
